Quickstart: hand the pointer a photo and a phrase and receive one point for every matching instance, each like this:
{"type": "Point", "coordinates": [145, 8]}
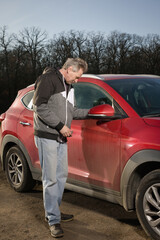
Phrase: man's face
{"type": "Point", "coordinates": [71, 76]}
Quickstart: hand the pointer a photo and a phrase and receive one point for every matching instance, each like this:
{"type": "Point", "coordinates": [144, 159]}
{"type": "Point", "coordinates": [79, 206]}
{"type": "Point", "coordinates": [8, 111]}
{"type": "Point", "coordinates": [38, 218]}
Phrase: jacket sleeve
{"type": "Point", "coordinates": [48, 117]}
{"type": "Point", "coordinates": [80, 113]}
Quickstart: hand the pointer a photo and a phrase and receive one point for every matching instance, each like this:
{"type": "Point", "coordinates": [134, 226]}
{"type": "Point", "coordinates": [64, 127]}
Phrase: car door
{"type": "Point", "coordinates": [25, 129]}
{"type": "Point", "coordinates": [94, 148]}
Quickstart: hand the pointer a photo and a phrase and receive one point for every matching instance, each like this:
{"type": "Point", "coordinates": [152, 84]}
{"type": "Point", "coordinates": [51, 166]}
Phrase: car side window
{"type": "Point", "coordinates": [27, 100]}
{"type": "Point", "coordinates": [88, 95]}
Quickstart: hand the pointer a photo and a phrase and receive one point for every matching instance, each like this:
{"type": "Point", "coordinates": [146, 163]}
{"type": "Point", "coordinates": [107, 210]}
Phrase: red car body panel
{"type": "Point", "coordinates": [27, 131]}
{"type": "Point", "coordinates": [97, 144]}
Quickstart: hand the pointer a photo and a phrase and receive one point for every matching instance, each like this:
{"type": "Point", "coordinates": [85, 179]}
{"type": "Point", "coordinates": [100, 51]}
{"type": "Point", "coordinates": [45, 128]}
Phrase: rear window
{"type": "Point", "coordinates": [27, 100]}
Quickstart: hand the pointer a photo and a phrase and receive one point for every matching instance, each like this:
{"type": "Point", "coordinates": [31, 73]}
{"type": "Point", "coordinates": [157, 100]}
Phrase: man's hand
{"type": "Point", "coordinates": [66, 132]}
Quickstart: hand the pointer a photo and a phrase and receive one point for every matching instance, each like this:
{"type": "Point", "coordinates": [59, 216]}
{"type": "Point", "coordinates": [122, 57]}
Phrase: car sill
{"type": "Point", "coordinates": [94, 191]}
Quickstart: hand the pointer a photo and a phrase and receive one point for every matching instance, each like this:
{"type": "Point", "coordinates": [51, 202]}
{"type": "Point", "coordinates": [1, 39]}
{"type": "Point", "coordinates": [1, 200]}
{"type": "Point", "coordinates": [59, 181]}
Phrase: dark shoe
{"type": "Point", "coordinates": [66, 217]}
{"type": "Point", "coordinates": [56, 231]}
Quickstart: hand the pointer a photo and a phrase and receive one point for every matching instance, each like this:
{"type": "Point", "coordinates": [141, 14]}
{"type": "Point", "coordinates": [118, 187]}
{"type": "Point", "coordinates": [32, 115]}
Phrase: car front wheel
{"type": "Point", "coordinates": [17, 171]}
{"type": "Point", "coordinates": [148, 204]}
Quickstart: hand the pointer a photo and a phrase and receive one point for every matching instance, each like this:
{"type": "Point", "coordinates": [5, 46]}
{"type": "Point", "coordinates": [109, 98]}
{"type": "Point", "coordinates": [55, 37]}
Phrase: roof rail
{"type": "Point", "coordinates": [91, 76]}
{"type": "Point", "coordinates": [113, 75]}
{"type": "Point", "coordinates": [147, 75]}
{"type": "Point", "coordinates": [31, 85]}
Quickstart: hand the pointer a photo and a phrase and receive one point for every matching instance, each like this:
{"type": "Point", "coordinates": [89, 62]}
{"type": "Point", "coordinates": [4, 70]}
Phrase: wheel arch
{"type": "Point", "coordinates": [10, 141]}
{"type": "Point", "coordinates": [140, 164]}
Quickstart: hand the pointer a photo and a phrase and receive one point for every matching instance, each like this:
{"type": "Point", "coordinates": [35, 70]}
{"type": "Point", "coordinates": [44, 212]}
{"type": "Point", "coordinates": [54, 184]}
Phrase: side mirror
{"type": "Point", "coordinates": [102, 111]}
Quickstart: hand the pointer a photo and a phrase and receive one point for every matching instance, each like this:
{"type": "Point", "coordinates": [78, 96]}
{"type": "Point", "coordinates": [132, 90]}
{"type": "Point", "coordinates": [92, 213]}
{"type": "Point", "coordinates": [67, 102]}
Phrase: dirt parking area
{"type": "Point", "coordinates": [22, 217]}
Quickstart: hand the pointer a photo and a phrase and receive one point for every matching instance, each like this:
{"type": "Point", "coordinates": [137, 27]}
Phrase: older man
{"type": "Point", "coordinates": [54, 109]}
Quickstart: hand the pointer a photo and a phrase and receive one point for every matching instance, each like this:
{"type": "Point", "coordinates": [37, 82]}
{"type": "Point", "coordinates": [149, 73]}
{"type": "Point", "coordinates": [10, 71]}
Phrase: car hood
{"type": "Point", "coordinates": [155, 122]}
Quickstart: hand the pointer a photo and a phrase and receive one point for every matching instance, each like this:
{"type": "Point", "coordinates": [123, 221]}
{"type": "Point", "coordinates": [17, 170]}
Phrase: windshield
{"type": "Point", "coordinates": [143, 94]}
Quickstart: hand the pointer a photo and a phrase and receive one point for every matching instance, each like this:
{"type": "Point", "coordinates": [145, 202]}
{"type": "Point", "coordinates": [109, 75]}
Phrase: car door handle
{"type": "Point", "coordinates": [25, 123]}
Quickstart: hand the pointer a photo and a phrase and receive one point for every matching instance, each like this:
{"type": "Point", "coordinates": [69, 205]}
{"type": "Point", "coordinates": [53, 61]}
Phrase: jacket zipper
{"type": "Point", "coordinates": [66, 100]}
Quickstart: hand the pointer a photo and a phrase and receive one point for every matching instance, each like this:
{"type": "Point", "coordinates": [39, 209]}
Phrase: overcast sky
{"type": "Point", "coordinates": [140, 17]}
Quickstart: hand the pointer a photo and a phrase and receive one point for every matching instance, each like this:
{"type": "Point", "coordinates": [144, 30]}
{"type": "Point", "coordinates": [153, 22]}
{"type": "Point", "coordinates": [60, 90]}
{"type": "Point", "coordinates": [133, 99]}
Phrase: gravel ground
{"type": "Point", "coordinates": [22, 217]}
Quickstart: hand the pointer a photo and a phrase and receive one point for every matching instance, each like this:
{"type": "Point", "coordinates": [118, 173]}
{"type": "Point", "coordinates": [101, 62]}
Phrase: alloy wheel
{"type": "Point", "coordinates": [151, 205]}
{"type": "Point", "coordinates": [15, 169]}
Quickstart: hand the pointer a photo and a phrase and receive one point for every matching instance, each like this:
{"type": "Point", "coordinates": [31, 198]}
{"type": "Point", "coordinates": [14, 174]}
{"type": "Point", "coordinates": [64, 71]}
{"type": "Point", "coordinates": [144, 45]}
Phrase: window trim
{"type": "Point", "coordinates": [31, 109]}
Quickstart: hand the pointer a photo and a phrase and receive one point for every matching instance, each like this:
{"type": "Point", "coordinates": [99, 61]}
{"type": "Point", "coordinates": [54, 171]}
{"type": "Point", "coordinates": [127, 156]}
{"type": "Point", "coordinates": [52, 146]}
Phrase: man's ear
{"type": "Point", "coordinates": [70, 69]}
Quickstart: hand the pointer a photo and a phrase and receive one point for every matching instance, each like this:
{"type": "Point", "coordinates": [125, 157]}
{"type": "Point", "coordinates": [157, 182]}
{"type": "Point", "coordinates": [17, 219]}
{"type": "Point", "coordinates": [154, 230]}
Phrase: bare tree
{"type": "Point", "coordinates": [80, 39]}
{"type": "Point", "coordinates": [150, 48]}
{"type": "Point", "coordinates": [118, 51]}
{"type": "Point", "coordinates": [32, 40]}
{"type": "Point", "coordinates": [63, 47]}
{"type": "Point", "coordinates": [95, 48]}
{"type": "Point", "coordinates": [5, 49]}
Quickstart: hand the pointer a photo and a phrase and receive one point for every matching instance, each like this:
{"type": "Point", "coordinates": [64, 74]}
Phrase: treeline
{"type": "Point", "coordinates": [24, 56]}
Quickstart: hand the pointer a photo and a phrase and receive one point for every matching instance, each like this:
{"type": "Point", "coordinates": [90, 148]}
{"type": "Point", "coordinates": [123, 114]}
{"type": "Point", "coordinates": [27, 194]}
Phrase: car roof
{"type": "Point", "coordinates": [111, 77]}
{"type": "Point", "coordinates": [118, 76]}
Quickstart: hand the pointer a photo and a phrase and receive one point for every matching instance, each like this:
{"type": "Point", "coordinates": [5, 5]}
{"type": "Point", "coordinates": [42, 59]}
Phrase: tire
{"type": "Point", "coordinates": [148, 204]}
{"type": "Point", "coordinates": [17, 171]}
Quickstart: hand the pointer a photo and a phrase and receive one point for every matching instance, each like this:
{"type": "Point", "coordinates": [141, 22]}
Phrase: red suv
{"type": "Point", "coordinates": [114, 154]}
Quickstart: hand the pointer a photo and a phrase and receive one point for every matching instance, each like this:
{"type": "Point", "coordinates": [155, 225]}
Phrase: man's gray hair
{"type": "Point", "coordinates": [76, 63]}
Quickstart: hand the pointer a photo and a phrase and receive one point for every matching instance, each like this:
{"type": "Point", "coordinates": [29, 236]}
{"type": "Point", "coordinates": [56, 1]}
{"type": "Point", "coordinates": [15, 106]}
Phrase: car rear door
{"type": "Point", "coordinates": [25, 129]}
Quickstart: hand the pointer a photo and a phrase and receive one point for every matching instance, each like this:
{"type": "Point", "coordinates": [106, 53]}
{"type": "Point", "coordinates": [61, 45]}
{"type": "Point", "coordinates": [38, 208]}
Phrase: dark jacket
{"type": "Point", "coordinates": [54, 105]}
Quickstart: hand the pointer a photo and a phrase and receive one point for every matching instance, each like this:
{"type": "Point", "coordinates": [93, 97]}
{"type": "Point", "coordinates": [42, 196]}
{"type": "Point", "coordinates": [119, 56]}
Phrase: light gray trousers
{"type": "Point", "coordinates": [54, 164]}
